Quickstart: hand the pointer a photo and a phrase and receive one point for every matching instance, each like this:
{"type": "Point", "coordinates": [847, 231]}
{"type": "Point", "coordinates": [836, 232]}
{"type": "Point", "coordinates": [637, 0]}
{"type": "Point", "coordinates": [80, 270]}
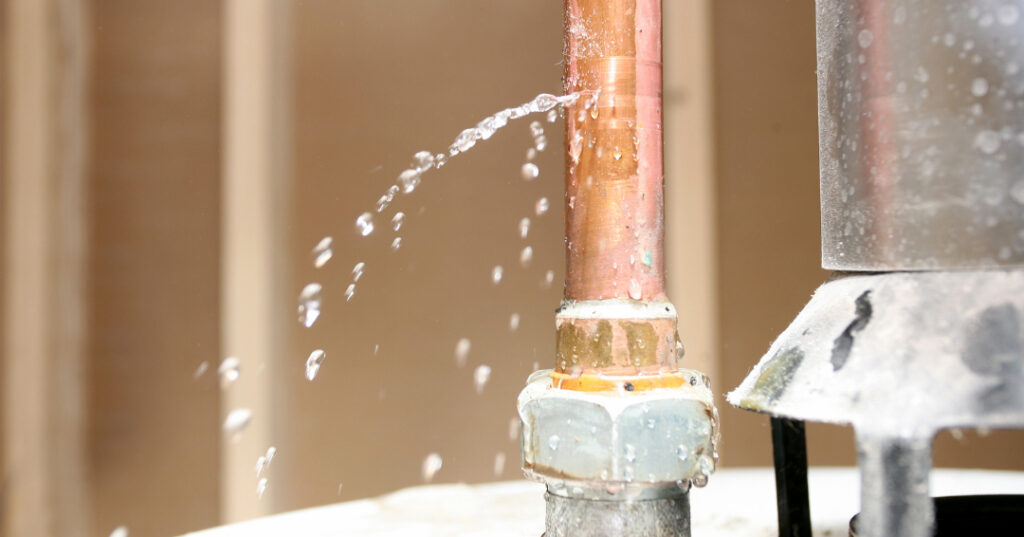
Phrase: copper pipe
{"type": "Point", "coordinates": [614, 203]}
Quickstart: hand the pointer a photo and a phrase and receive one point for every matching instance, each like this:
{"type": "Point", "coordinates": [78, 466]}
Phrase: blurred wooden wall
{"type": "Point", "coordinates": [160, 150]}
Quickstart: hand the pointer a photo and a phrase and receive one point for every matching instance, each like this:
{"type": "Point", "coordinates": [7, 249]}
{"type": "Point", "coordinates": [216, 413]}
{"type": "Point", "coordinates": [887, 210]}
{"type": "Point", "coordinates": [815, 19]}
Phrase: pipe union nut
{"type": "Point", "coordinates": [665, 435]}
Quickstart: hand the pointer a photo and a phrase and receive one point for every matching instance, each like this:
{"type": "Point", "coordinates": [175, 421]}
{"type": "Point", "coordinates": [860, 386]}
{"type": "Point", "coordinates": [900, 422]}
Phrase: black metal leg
{"type": "Point", "coordinates": [790, 446]}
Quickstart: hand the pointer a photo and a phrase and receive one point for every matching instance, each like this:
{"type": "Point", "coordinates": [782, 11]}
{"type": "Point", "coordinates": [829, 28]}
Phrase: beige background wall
{"type": "Point", "coordinates": [373, 82]}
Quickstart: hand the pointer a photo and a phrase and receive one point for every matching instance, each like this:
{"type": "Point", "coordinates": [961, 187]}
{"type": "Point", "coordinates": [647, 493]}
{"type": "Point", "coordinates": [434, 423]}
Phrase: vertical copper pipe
{"type": "Point", "coordinates": [614, 202]}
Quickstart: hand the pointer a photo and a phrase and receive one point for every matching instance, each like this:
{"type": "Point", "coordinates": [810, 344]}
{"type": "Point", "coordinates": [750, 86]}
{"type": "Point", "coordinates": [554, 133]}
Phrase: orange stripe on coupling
{"type": "Point", "coordinates": [589, 382]}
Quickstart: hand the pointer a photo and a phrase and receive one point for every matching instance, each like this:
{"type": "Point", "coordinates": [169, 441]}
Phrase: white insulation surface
{"type": "Point", "coordinates": [736, 502]}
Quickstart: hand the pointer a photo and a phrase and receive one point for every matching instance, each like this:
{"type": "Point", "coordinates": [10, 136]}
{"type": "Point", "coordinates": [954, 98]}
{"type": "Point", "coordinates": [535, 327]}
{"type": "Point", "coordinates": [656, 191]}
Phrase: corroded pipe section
{"type": "Point", "coordinates": [614, 203]}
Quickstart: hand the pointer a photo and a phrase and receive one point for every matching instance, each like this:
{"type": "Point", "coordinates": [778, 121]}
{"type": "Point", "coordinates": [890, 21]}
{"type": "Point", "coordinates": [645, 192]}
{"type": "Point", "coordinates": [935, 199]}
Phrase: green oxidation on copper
{"type": "Point", "coordinates": [642, 341]}
{"type": "Point", "coordinates": [579, 346]}
{"type": "Point", "coordinates": [773, 380]}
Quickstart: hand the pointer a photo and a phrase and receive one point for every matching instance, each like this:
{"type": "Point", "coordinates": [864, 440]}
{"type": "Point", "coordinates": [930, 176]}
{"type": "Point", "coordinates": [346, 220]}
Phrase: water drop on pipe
{"type": "Point", "coordinates": [261, 487]}
{"type": "Point", "coordinates": [524, 227]}
{"type": "Point", "coordinates": [496, 274]}
{"type": "Point", "coordinates": [357, 271]}
{"type": "Point", "coordinates": [396, 244]}
{"type": "Point", "coordinates": [409, 179]}
{"type": "Point", "coordinates": [350, 291]}
{"type": "Point", "coordinates": [398, 220]}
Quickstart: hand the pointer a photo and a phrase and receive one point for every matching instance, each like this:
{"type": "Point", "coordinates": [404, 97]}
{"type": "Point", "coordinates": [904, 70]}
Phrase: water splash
{"type": "Point", "coordinates": [530, 171]}
{"type": "Point", "coordinates": [499, 464]}
{"type": "Point", "coordinates": [462, 351]}
{"type": "Point", "coordinates": [480, 377]}
{"type": "Point", "coordinates": [525, 256]}
{"type": "Point", "coordinates": [237, 420]}
{"type": "Point", "coordinates": [431, 466]}
{"type": "Point", "coordinates": [310, 301]}
{"type": "Point", "coordinates": [322, 252]}
{"type": "Point", "coordinates": [229, 371]}
{"type": "Point", "coordinates": [542, 206]}
{"type": "Point", "coordinates": [313, 363]}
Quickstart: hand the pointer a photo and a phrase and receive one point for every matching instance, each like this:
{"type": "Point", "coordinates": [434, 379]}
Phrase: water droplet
{"type": "Point", "coordinates": [229, 371]}
{"type": "Point", "coordinates": [630, 453]}
{"type": "Point", "coordinates": [540, 142]}
{"type": "Point", "coordinates": [513, 322]}
{"type": "Point", "coordinates": [682, 452]}
{"type": "Point", "coordinates": [635, 289]}
{"type": "Point", "coordinates": [431, 466]}
{"type": "Point", "coordinates": [203, 366]}
{"type": "Point", "coordinates": [576, 146]}
{"type": "Point", "coordinates": [553, 442]}
{"type": "Point", "coordinates": [700, 480]}
{"type": "Point", "coordinates": [542, 206]}
{"type": "Point", "coordinates": [979, 87]}
{"type": "Point", "coordinates": [864, 38]}
{"type": "Point", "coordinates": [480, 377]}
{"type": "Point", "coordinates": [423, 160]}
{"type": "Point", "coordinates": [357, 271]}
{"type": "Point", "coordinates": [552, 116]}
{"type": "Point", "coordinates": [549, 277]}
{"type": "Point", "coordinates": [526, 256]}
{"type": "Point", "coordinates": [350, 291]}
{"type": "Point", "coordinates": [440, 159]}
{"type": "Point", "coordinates": [261, 487]}
{"type": "Point", "coordinates": [524, 227]}
{"type": "Point", "coordinates": [364, 224]}
{"type": "Point", "coordinates": [261, 463]}
{"type": "Point", "coordinates": [617, 153]}
{"type": "Point", "coordinates": [530, 171]}
{"type": "Point", "coordinates": [987, 141]}
{"type": "Point", "coordinates": [536, 129]}
{"type": "Point", "coordinates": [531, 154]}
{"type": "Point", "coordinates": [499, 464]}
{"type": "Point", "coordinates": [409, 180]}
{"type": "Point", "coordinates": [680, 350]}
{"type": "Point", "coordinates": [120, 531]}
{"type": "Point", "coordinates": [1008, 15]}
{"type": "Point", "coordinates": [513, 428]}
{"type": "Point", "coordinates": [496, 274]}
{"type": "Point", "coordinates": [313, 363]}
{"type": "Point", "coordinates": [398, 220]}
{"type": "Point", "coordinates": [396, 244]}
{"type": "Point", "coordinates": [310, 301]}
{"type": "Point", "coordinates": [237, 420]}
{"type": "Point", "coordinates": [376, 349]}
{"type": "Point", "coordinates": [271, 451]}
{"type": "Point", "coordinates": [322, 252]}
{"type": "Point", "coordinates": [462, 351]}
